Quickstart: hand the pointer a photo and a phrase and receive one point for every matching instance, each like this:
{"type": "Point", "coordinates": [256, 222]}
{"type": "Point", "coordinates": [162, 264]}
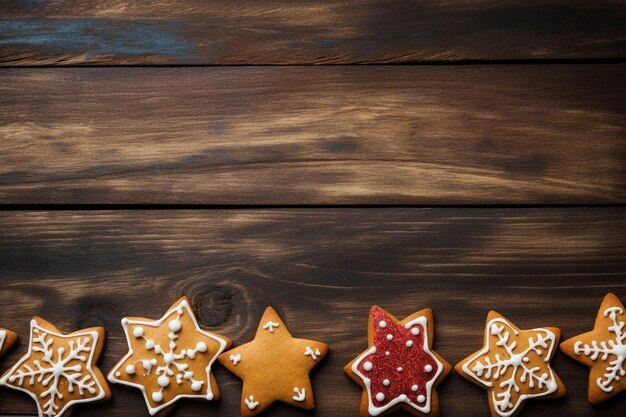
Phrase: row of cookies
{"type": "Point", "coordinates": [172, 358]}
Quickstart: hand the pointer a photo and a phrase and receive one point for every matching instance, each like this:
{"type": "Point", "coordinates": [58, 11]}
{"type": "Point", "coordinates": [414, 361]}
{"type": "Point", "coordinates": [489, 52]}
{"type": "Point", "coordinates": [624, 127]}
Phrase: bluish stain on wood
{"type": "Point", "coordinates": [97, 36]}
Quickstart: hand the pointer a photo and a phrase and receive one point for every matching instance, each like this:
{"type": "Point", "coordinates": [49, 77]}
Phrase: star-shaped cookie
{"type": "Point", "coordinates": [274, 366]}
{"type": "Point", "coordinates": [399, 369]}
{"type": "Point", "coordinates": [7, 340]}
{"type": "Point", "coordinates": [603, 350]}
{"type": "Point", "coordinates": [513, 365]}
{"type": "Point", "coordinates": [59, 370]}
{"type": "Point", "coordinates": [169, 359]}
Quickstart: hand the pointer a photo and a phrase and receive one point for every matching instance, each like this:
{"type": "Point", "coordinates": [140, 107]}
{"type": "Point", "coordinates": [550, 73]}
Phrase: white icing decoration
{"type": "Point", "coordinates": [382, 324]}
{"type": "Point", "coordinates": [399, 369]}
{"type": "Point", "coordinates": [173, 359]}
{"type": "Point", "coordinates": [380, 396]}
{"type": "Point", "coordinates": [421, 398]}
{"type": "Point", "coordinates": [409, 343]}
{"type": "Point", "coordinates": [387, 353]}
{"type": "Point", "coordinates": [415, 331]}
{"type": "Point", "coordinates": [424, 408]}
{"type": "Point", "coordinates": [428, 368]}
{"type": "Point", "coordinates": [313, 354]}
{"type": "Point", "coordinates": [542, 343]}
{"type": "Point", "coordinates": [130, 370]}
{"type": "Point", "coordinates": [235, 359]}
{"type": "Point", "coordinates": [53, 368]}
{"type": "Point", "coordinates": [251, 403]}
{"type": "Point", "coordinates": [615, 349]}
{"type": "Point", "coordinates": [386, 382]}
{"type": "Point", "coordinates": [300, 394]}
{"type": "Point", "coordinates": [390, 337]}
{"type": "Point", "coordinates": [368, 366]}
{"type": "Point", "coordinates": [270, 325]}
{"type": "Point", "coordinates": [414, 388]}
{"type": "Point", "coordinates": [3, 336]}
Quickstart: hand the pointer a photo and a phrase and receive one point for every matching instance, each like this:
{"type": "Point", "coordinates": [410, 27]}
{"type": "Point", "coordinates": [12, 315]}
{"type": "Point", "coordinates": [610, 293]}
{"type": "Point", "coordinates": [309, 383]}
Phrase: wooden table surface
{"type": "Point", "coordinates": [319, 157]}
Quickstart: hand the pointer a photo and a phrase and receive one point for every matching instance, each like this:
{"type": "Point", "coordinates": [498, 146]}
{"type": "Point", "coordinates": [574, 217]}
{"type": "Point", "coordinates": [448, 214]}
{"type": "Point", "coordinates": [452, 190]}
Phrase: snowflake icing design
{"type": "Point", "coordinates": [173, 367]}
{"type": "Point", "coordinates": [170, 365]}
{"type": "Point", "coordinates": [511, 378]}
{"type": "Point", "coordinates": [57, 370]}
{"type": "Point", "coordinates": [614, 349]}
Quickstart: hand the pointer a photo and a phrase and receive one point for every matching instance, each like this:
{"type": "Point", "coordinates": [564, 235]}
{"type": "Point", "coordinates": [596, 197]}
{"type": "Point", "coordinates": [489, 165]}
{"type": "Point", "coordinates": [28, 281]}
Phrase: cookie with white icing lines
{"type": "Point", "coordinates": [59, 370]}
{"type": "Point", "coordinates": [274, 366]}
{"type": "Point", "coordinates": [399, 369]}
{"type": "Point", "coordinates": [603, 350]}
{"type": "Point", "coordinates": [7, 340]}
{"type": "Point", "coordinates": [169, 359]}
{"type": "Point", "coordinates": [513, 365]}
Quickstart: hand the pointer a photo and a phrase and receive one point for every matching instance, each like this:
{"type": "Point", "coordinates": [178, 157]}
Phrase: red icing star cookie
{"type": "Point", "coordinates": [604, 350]}
{"type": "Point", "coordinates": [399, 369]}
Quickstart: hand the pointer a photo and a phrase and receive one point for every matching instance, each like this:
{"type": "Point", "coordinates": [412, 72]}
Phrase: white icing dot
{"type": "Point", "coordinates": [130, 369]}
{"type": "Point", "coordinates": [390, 337]}
{"type": "Point", "coordinates": [368, 366]}
{"type": "Point", "coordinates": [163, 381]}
{"type": "Point", "coordinates": [157, 397]}
{"type": "Point", "coordinates": [400, 369]}
{"type": "Point", "coordinates": [386, 382]}
{"type": "Point", "coordinates": [421, 398]}
{"type": "Point", "coordinates": [175, 325]}
{"type": "Point", "coordinates": [387, 353]}
{"type": "Point", "coordinates": [153, 362]}
{"type": "Point", "coordinates": [414, 388]}
{"type": "Point", "coordinates": [380, 396]}
{"type": "Point", "coordinates": [428, 368]}
{"type": "Point", "coordinates": [196, 386]}
{"type": "Point", "coordinates": [168, 358]}
{"type": "Point", "coordinates": [409, 343]}
{"type": "Point", "coordinates": [117, 374]}
{"type": "Point", "coordinates": [201, 347]}
{"type": "Point", "coordinates": [138, 331]}
{"type": "Point", "coordinates": [150, 344]}
{"type": "Point", "coordinates": [415, 331]}
{"type": "Point", "coordinates": [382, 324]}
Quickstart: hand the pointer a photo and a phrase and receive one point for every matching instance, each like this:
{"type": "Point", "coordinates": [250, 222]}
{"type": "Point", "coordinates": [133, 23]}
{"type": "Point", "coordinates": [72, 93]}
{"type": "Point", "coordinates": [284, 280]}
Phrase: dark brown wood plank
{"type": "Point", "coordinates": [307, 31]}
{"type": "Point", "coordinates": [311, 135]}
{"type": "Point", "coordinates": [322, 269]}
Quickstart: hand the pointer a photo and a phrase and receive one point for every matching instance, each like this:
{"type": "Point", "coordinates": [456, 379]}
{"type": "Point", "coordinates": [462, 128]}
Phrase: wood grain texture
{"type": "Point", "coordinates": [306, 31]}
{"type": "Point", "coordinates": [312, 135]}
{"type": "Point", "coordinates": [322, 269]}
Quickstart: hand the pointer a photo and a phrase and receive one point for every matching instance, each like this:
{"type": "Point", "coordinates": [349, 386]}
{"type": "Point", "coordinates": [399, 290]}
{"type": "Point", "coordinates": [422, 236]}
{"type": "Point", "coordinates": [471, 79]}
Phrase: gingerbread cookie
{"type": "Point", "coordinates": [7, 340]}
{"type": "Point", "coordinates": [513, 365]}
{"type": "Point", "coordinates": [399, 369]}
{"type": "Point", "coordinates": [169, 359]}
{"type": "Point", "coordinates": [274, 366]}
{"type": "Point", "coordinates": [59, 370]}
{"type": "Point", "coordinates": [604, 350]}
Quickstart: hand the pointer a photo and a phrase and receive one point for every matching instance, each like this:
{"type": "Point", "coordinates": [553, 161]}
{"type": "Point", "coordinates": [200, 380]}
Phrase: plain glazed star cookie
{"type": "Point", "coordinates": [399, 369]}
{"type": "Point", "coordinates": [513, 365]}
{"type": "Point", "coordinates": [603, 350]}
{"type": "Point", "coordinates": [59, 370]}
{"type": "Point", "coordinates": [169, 359]}
{"type": "Point", "coordinates": [7, 340]}
{"type": "Point", "coordinates": [274, 366]}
